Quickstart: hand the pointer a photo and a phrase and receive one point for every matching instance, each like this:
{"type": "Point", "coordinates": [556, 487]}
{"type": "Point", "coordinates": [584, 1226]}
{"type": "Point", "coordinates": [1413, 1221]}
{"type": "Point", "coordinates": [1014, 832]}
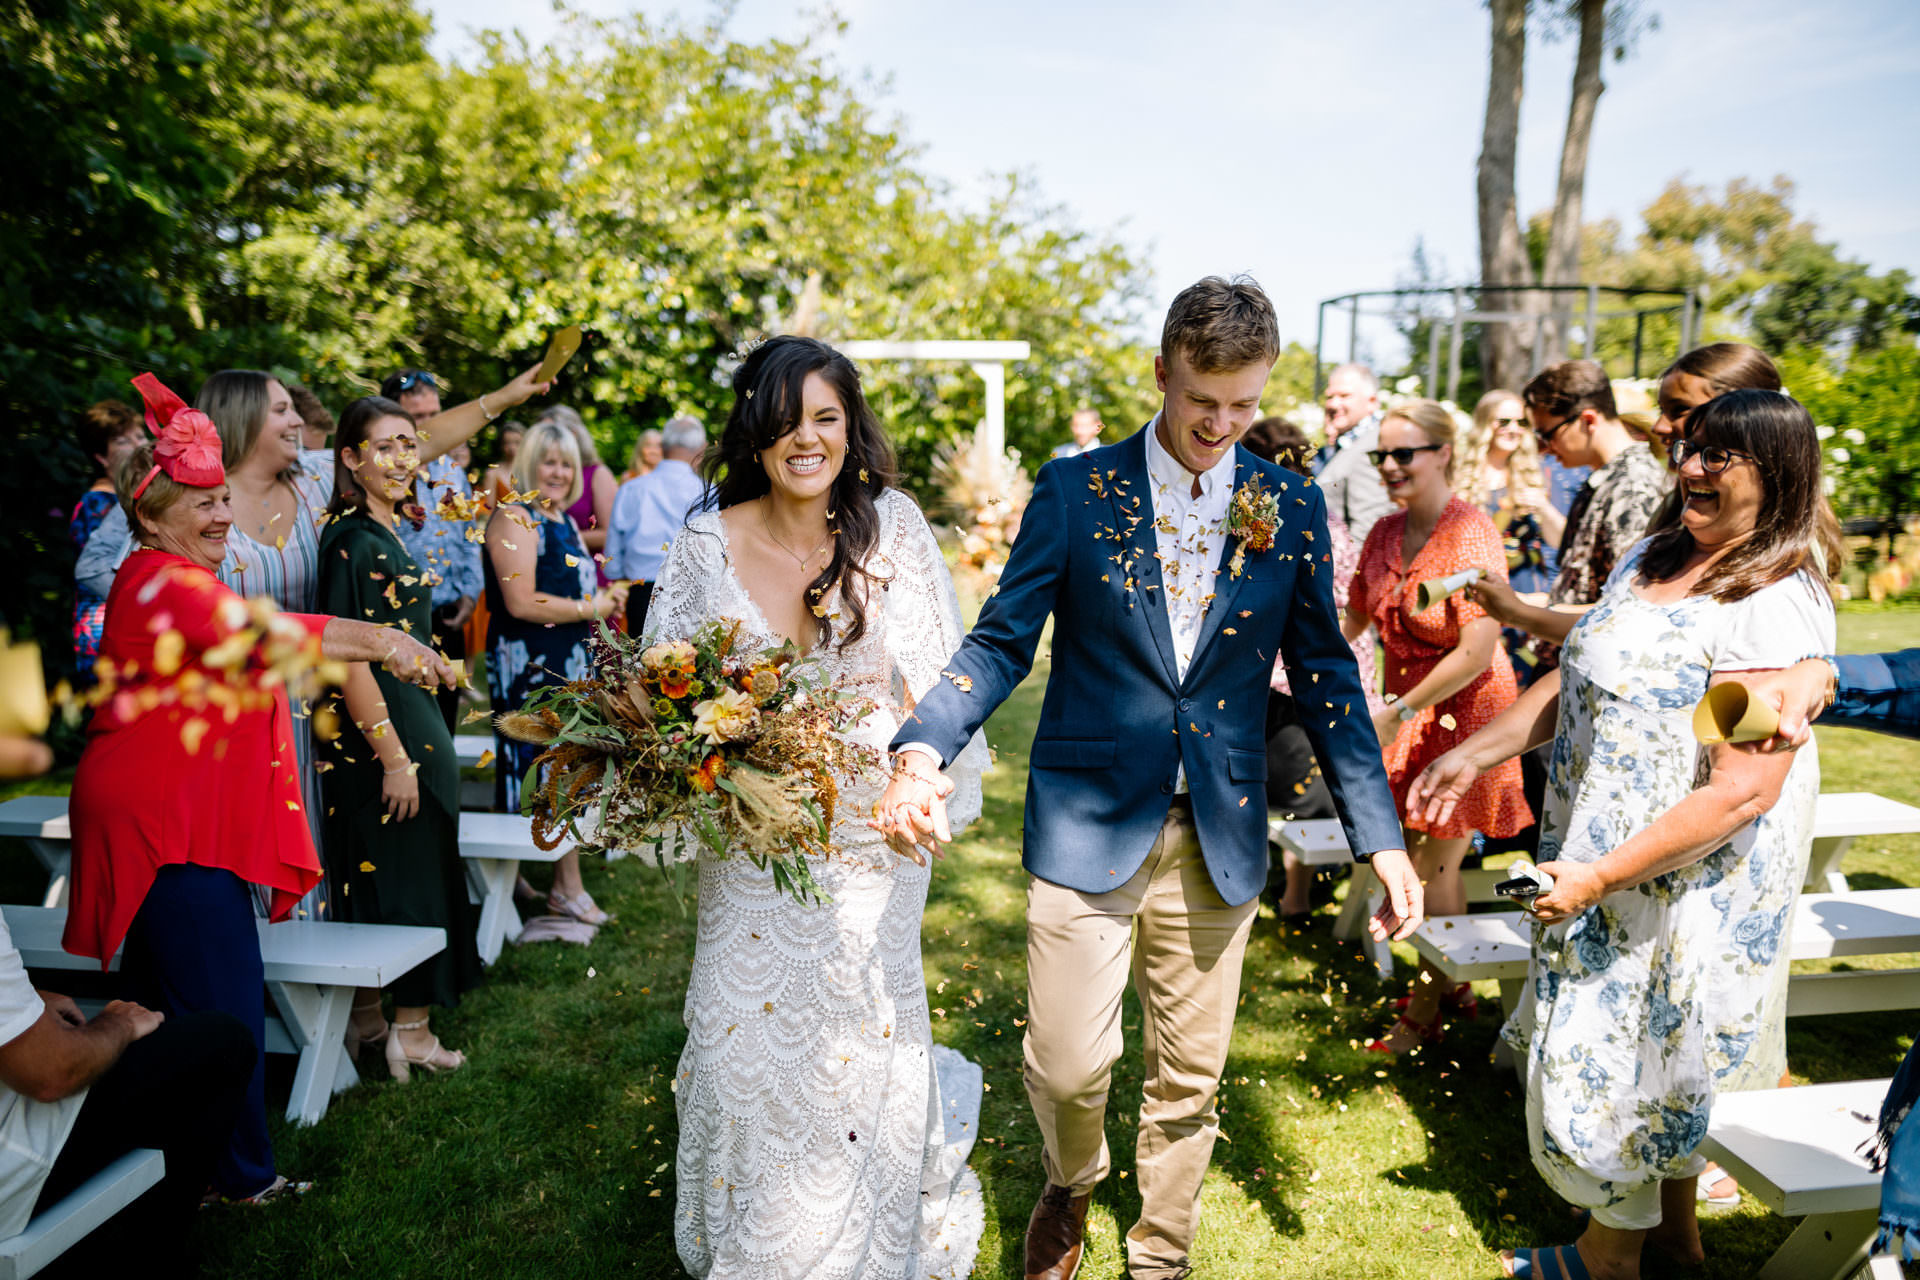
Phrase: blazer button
{"type": "Point", "coordinates": [1166, 788]}
{"type": "Point", "coordinates": [1186, 704]}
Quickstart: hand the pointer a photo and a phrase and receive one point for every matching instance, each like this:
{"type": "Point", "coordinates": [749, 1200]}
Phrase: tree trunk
{"type": "Point", "coordinates": [1504, 345]}
{"type": "Point", "coordinates": [1563, 237]}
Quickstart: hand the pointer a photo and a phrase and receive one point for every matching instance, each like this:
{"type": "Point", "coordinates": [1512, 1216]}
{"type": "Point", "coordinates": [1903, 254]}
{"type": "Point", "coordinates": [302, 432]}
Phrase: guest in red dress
{"type": "Point", "coordinates": [188, 792]}
{"type": "Point", "coordinates": [1442, 677]}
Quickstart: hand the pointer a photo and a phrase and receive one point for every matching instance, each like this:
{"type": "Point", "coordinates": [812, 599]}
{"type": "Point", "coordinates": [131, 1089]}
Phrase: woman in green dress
{"type": "Point", "coordinates": [393, 788]}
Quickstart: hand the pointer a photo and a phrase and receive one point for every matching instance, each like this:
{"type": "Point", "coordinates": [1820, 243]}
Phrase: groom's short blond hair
{"type": "Point", "coordinates": [1221, 325]}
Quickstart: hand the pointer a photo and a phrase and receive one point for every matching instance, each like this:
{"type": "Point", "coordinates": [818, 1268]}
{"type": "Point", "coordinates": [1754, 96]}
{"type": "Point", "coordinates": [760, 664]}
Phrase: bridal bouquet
{"type": "Point", "coordinates": [741, 749]}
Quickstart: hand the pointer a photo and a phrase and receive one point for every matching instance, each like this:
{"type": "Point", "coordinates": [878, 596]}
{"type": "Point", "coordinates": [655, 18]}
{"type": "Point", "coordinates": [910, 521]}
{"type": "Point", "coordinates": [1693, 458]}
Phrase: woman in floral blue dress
{"type": "Point", "coordinates": [541, 605]}
{"type": "Point", "coordinates": [1662, 950]}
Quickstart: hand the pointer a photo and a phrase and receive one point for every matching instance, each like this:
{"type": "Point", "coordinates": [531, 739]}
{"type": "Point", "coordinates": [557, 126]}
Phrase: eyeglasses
{"type": "Point", "coordinates": [1546, 435]}
{"type": "Point", "coordinates": [1713, 458]}
{"type": "Point", "coordinates": [1403, 456]}
{"type": "Point", "coordinates": [1509, 422]}
{"type": "Point", "coordinates": [412, 381]}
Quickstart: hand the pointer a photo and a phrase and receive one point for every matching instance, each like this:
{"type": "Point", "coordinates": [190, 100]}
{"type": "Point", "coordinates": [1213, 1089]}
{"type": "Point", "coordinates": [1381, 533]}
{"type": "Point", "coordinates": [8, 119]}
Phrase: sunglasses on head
{"type": "Point", "coordinates": [1713, 458]}
{"type": "Point", "coordinates": [1402, 455]}
{"type": "Point", "coordinates": [413, 381]}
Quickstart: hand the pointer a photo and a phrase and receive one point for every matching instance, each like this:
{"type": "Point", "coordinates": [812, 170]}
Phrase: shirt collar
{"type": "Point", "coordinates": [1164, 469]}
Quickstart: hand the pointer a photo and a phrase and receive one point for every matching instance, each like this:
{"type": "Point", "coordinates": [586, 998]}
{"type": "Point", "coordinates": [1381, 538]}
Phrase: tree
{"type": "Point", "coordinates": [1504, 258]}
{"type": "Point", "coordinates": [1869, 411]}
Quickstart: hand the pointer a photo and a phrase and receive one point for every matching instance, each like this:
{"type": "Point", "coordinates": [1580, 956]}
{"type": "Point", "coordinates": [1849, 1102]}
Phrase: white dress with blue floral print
{"type": "Point", "coordinates": [1644, 1007]}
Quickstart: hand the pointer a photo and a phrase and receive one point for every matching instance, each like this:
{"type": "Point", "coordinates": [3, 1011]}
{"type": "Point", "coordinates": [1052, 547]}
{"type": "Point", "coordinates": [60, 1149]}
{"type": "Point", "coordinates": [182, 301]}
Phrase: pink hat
{"type": "Point", "coordinates": [185, 445]}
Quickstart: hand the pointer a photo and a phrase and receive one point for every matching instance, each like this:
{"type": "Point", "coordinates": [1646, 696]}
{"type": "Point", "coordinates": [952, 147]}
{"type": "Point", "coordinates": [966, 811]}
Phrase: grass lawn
{"type": "Point", "coordinates": [551, 1154]}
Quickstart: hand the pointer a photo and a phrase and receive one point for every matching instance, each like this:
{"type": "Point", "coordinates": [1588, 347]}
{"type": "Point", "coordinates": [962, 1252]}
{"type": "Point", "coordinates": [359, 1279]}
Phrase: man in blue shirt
{"type": "Point", "coordinates": [648, 514]}
{"type": "Point", "coordinates": [440, 546]}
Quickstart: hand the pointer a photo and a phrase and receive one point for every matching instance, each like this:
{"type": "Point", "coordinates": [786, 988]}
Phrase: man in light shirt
{"type": "Point", "coordinates": [77, 1094]}
{"type": "Point", "coordinates": [1355, 493]}
{"type": "Point", "coordinates": [1086, 427]}
{"type": "Point", "coordinates": [649, 512]}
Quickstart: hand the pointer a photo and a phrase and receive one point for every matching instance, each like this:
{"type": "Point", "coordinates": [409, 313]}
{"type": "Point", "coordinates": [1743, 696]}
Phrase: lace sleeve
{"type": "Point", "coordinates": [680, 600]}
{"type": "Point", "coordinates": [923, 632]}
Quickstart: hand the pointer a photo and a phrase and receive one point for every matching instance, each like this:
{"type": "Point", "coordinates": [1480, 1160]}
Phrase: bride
{"type": "Point", "coordinates": [822, 1132]}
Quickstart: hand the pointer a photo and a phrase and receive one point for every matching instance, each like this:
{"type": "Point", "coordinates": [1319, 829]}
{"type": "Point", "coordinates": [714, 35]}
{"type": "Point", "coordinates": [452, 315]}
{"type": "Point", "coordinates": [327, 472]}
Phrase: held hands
{"type": "Point", "coordinates": [400, 794]}
{"type": "Point", "coordinates": [1403, 904]}
{"type": "Point", "coordinates": [1799, 693]}
{"type": "Point", "coordinates": [610, 600]}
{"type": "Point", "coordinates": [913, 809]}
{"type": "Point", "coordinates": [1576, 887]}
{"type": "Point", "coordinates": [1440, 787]}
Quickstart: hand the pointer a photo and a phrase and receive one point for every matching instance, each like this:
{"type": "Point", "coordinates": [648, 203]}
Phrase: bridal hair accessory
{"type": "Point", "coordinates": [1253, 517]}
{"type": "Point", "coordinates": [1434, 590]}
{"type": "Point", "coordinates": [185, 445]}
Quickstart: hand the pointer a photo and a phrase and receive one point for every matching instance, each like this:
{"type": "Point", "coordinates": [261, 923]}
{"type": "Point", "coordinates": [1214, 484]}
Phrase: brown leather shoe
{"type": "Point", "coordinates": [1054, 1234]}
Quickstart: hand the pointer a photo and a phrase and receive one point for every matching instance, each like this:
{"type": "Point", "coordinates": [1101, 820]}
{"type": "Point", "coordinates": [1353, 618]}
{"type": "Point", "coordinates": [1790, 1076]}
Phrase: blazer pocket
{"type": "Point", "coordinates": [1246, 766]}
{"type": "Point", "coordinates": [1075, 753]}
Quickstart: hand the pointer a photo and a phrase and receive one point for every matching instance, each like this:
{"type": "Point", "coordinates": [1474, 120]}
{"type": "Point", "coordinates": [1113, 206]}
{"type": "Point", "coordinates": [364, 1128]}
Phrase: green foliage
{"type": "Point", "coordinates": [304, 188]}
{"type": "Point", "coordinates": [1871, 406]}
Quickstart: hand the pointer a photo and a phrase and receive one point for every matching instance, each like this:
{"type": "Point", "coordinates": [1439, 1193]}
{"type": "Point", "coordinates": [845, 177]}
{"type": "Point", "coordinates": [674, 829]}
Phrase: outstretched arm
{"type": "Point", "coordinates": [990, 663]}
{"type": "Point", "coordinates": [1876, 691]}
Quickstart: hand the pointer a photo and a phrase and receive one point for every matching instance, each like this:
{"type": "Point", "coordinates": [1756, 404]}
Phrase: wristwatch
{"type": "Point", "coordinates": [1408, 712]}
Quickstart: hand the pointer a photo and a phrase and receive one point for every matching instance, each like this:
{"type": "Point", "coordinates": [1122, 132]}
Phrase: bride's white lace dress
{"type": "Point", "coordinates": [822, 1132]}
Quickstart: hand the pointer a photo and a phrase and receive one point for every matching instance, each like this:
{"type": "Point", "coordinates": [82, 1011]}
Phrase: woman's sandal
{"type": "Point", "coordinates": [436, 1059]}
{"type": "Point", "coordinates": [1713, 1177]}
{"type": "Point", "coordinates": [1425, 1033]}
{"type": "Point", "coordinates": [358, 1040]}
{"type": "Point", "coordinates": [1559, 1262]}
{"type": "Point", "coordinates": [1460, 1000]}
{"type": "Point", "coordinates": [580, 907]}
{"type": "Point", "coordinates": [280, 1188]}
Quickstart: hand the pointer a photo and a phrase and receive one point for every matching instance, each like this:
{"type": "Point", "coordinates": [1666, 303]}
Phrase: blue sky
{"type": "Point", "coordinates": [1311, 144]}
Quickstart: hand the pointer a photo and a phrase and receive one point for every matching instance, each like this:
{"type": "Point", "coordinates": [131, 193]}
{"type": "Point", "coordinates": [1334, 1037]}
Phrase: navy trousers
{"type": "Point", "coordinates": [194, 948]}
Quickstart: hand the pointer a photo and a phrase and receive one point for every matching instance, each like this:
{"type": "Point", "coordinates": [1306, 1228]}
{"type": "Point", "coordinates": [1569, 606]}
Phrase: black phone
{"type": "Point", "coordinates": [1518, 887]}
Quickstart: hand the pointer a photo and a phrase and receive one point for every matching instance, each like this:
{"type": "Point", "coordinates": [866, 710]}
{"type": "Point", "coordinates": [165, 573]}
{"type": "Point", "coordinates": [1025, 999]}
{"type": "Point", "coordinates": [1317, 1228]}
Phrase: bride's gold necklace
{"type": "Point", "coordinates": [798, 558]}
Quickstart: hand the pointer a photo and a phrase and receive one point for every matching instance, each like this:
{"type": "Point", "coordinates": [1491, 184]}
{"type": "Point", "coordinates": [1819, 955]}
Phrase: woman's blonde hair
{"type": "Point", "coordinates": [541, 436]}
{"type": "Point", "coordinates": [1523, 465]}
{"type": "Point", "coordinates": [1434, 422]}
{"type": "Point", "coordinates": [650, 436]}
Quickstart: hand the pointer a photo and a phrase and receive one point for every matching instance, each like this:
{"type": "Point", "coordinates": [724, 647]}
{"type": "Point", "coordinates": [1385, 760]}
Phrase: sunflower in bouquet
{"type": "Point", "coordinates": [694, 744]}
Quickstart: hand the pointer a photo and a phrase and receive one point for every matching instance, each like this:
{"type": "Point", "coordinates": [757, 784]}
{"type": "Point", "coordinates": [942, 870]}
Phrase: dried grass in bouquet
{"type": "Point", "coordinates": [742, 750]}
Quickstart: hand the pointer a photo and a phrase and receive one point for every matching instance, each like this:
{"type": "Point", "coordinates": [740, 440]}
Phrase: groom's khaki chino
{"type": "Point", "coordinates": [1183, 946]}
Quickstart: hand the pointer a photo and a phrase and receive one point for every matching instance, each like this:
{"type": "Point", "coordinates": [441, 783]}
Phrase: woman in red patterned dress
{"type": "Point", "coordinates": [1445, 673]}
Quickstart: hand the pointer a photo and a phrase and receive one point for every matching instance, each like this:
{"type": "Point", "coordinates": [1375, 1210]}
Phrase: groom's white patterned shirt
{"type": "Point", "coordinates": [1189, 534]}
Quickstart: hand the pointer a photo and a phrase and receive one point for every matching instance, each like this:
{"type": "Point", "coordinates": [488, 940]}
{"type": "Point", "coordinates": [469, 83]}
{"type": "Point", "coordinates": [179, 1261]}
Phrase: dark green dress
{"type": "Point", "coordinates": [395, 872]}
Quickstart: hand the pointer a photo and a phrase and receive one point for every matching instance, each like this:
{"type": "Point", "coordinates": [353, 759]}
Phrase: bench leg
{"type": "Point", "coordinates": [1823, 868]}
{"type": "Point", "coordinates": [1352, 922]}
{"type": "Point", "coordinates": [317, 1018]}
{"type": "Point", "coordinates": [1825, 1246]}
{"type": "Point", "coordinates": [1503, 1055]}
{"type": "Point", "coordinates": [499, 921]}
{"type": "Point", "coordinates": [55, 856]}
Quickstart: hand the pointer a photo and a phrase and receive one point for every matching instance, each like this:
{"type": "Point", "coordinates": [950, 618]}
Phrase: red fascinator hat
{"type": "Point", "coordinates": [185, 445]}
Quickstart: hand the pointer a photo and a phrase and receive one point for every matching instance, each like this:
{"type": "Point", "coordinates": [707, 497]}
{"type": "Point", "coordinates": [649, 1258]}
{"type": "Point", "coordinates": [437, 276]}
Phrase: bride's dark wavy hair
{"type": "Point", "coordinates": [766, 406]}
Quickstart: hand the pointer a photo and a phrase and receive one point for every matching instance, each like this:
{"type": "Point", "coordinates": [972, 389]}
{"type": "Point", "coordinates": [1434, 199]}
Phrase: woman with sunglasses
{"type": "Point", "coordinates": [1501, 473]}
{"type": "Point", "coordinates": [1661, 951]}
{"type": "Point", "coordinates": [1445, 675]}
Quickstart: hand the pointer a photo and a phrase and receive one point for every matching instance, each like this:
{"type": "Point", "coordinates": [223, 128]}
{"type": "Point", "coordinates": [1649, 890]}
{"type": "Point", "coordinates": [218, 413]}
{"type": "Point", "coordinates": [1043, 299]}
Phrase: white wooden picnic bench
{"type": "Point", "coordinates": [312, 967]}
{"type": "Point", "coordinates": [1838, 818]}
{"type": "Point", "coordinates": [1496, 945]}
{"type": "Point", "coordinates": [471, 748]}
{"type": "Point", "coordinates": [493, 846]}
{"type": "Point", "coordinates": [1797, 1151]}
{"type": "Point", "coordinates": [67, 1221]}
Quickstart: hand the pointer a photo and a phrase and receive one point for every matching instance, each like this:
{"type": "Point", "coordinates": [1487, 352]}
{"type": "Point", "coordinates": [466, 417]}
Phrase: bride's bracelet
{"type": "Point", "coordinates": [903, 769]}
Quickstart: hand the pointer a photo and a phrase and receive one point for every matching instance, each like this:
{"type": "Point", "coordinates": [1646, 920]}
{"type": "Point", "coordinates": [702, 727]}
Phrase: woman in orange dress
{"type": "Point", "coordinates": [1446, 675]}
{"type": "Point", "coordinates": [188, 797]}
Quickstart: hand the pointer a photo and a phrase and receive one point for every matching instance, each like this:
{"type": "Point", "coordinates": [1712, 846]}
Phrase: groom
{"type": "Point", "coordinates": [1146, 817]}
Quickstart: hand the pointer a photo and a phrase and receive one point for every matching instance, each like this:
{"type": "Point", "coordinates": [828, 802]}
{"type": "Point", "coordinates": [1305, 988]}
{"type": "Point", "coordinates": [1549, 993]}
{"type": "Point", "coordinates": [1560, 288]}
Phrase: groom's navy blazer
{"type": "Point", "coordinates": [1118, 721]}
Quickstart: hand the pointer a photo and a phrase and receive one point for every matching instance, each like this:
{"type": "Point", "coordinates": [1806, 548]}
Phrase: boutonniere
{"type": "Point", "coordinates": [1253, 517]}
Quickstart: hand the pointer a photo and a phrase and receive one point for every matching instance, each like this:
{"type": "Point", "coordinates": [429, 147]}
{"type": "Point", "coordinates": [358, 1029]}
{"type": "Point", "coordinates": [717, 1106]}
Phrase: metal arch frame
{"type": "Point", "coordinates": [988, 359]}
{"type": "Point", "coordinates": [1690, 303]}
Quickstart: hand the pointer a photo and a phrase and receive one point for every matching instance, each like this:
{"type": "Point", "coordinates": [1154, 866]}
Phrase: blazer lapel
{"type": "Point", "coordinates": [1226, 587]}
{"type": "Point", "coordinates": [1130, 492]}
